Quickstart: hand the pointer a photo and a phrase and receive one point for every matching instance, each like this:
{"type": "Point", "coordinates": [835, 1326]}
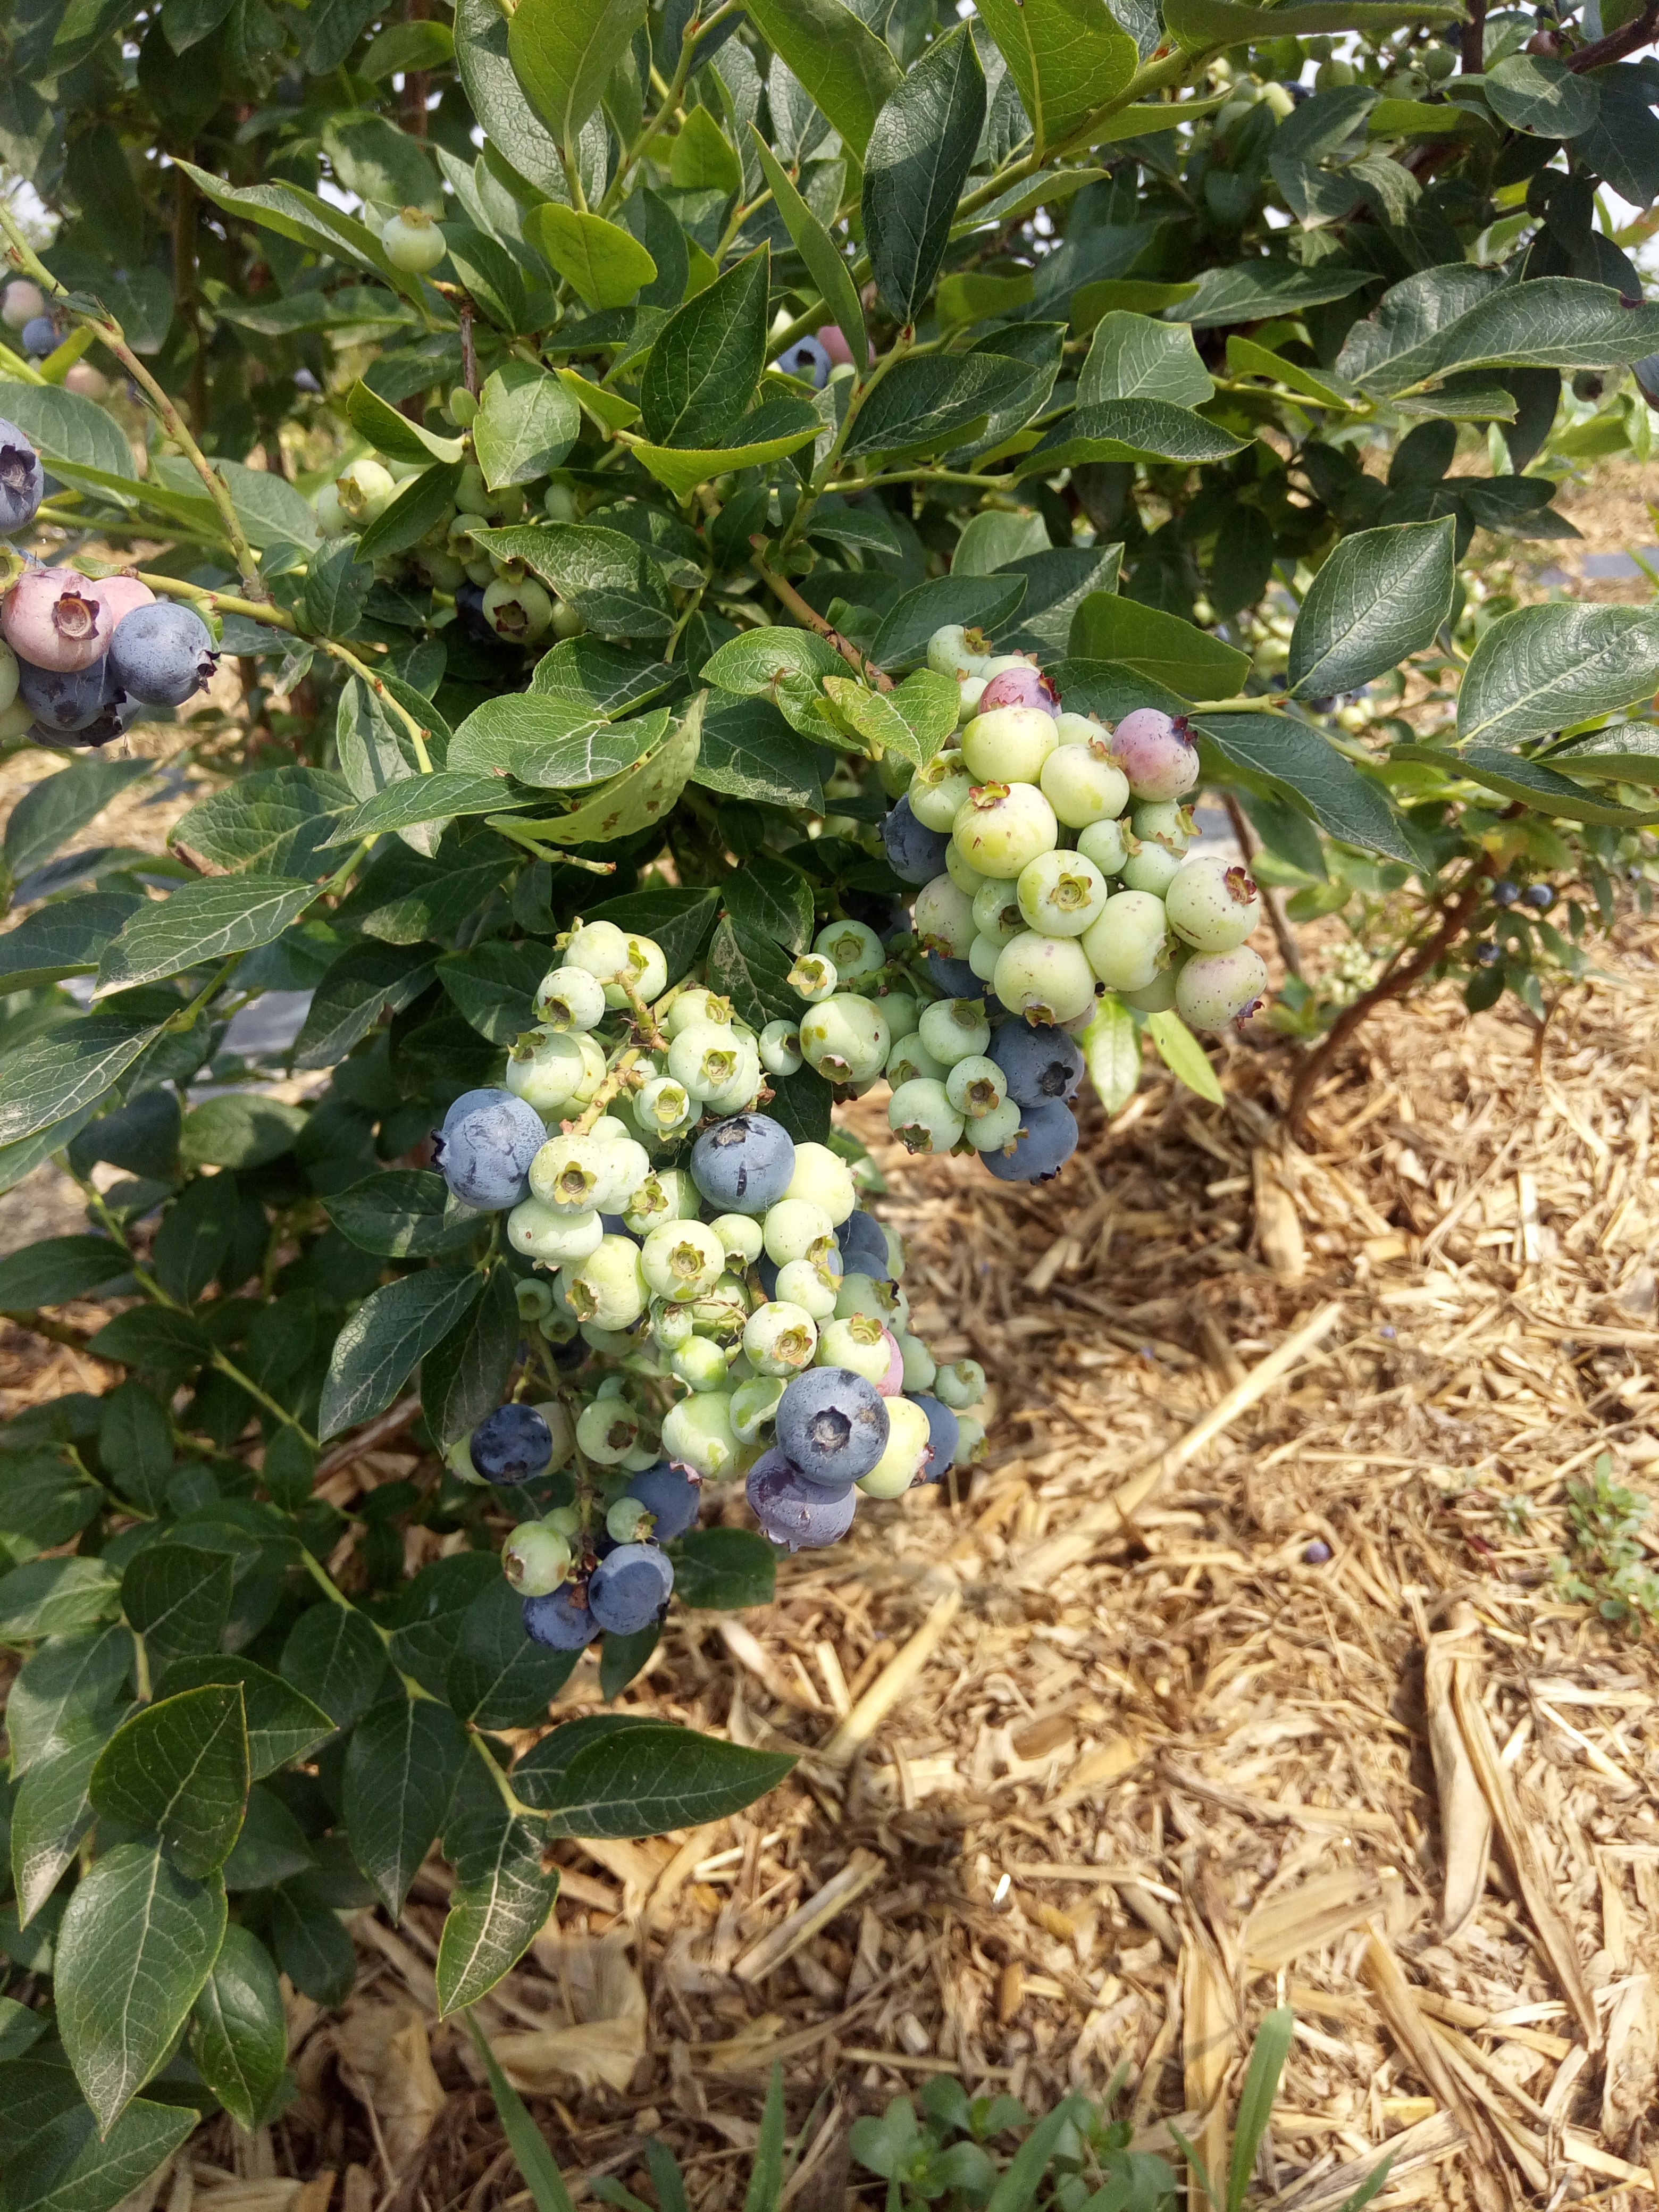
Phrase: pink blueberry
{"type": "Point", "coordinates": [833, 341]}
{"type": "Point", "coordinates": [1157, 753]}
{"type": "Point", "coordinates": [1021, 687]}
{"type": "Point", "coordinates": [120, 595]}
{"type": "Point", "coordinates": [891, 1384]}
{"type": "Point", "coordinates": [52, 618]}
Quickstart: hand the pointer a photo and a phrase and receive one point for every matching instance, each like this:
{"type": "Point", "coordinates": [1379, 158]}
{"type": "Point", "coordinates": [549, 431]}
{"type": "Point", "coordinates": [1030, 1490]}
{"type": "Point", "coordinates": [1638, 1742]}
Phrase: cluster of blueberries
{"type": "Point", "coordinates": [79, 658]}
{"type": "Point", "coordinates": [735, 1315]}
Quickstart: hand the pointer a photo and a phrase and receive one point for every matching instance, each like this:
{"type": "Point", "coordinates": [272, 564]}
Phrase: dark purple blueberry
{"type": "Point", "coordinates": [798, 1515]}
{"type": "Point", "coordinates": [512, 1445]}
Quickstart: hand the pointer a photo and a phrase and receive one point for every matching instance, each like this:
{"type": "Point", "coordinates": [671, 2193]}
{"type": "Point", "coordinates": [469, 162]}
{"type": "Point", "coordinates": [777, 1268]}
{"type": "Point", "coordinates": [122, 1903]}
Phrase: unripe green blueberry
{"type": "Point", "coordinates": [907, 1440]}
{"type": "Point", "coordinates": [975, 1086]}
{"type": "Point", "coordinates": [481, 572]}
{"type": "Point", "coordinates": [705, 1061]}
{"type": "Point", "coordinates": [1211, 906]}
{"type": "Point", "coordinates": [901, 1012]}
{"type": "Point", "coordinates": [741, 1238]}
{"type": "Point", "coordinates": [608, 1286]}
{"type": "Point", "coordinates": [845, 1040]}
{"type": "Point", "coordinates": [627, 1520]}
{"type": "Point", "coordinates": [1215, 988]}
{"type": "Point", "coordinates": [471, 494]}
{"type": "Point", "coordinates": [856, 950]}
{"type": "Point", "coordinates": [1159, 995]}
{"type": "Point", "coordinates": [809, 1285]}
{"type": "Point", "coordinates": [568, 1174]}
{"type": "Point", "coordinates": [965, 877]}
{"type": "Point", "coordinates": [861, 1344]}
{"type": "Point", "coordinates": [780, 1339]}
{"type": "Point", "coordinates": [700, 1362]}
{"type": "Point", "coordinates": [908, 1058]}
{"type": "Point", "coordinates": [1047, 979]}
{"type": "Point", "coordinates": [997, 911]}
{"type": "Point", "coordinates": [920, 1115]}
{"type": "Point", "coordinates": [953, 1029]}
{"type": "Point", "coordinates": [626, 1165]}
{"type": "Point", "coordinates": [670, 1194]}
{"type": "Point", "coordinates": [1008, 746]}
{"type": "Point", "coordinates": [671, 1326]}
{"type": "Point", "coordinates": [983, 954]}
{"type": "Point", "coordinates": [943, 919]}
{"type": "Point", "coordinates": [546, 1069]}
{"type": "Point", "coordinates": [755, 1406]}
{"type": "Point", "coordinates": [1150, 868]}
{"type": "Point", "coordinates": [621, 962]}
{"type": "Point", "coordinates": [332, 521]}
{"type": "Point", "coordinates": [613, 1343]}
{"type": "Point", "coordinates": [554, 1238]}
{"type": "Point", "coordinates": [533, 1298]}
{"type": "Point", "coordinates": [682, 1260]}
{"type": "Point", "coordinates": [862, 1294]}
{"type": "Point", "coordinates": [607, 1430]}
{"type": "Point", "coordinates": [1004, 827]}
{"type": "Point", "coordinates": [970, 1441]}
{"type": "Point", "coordinates": [1082, 785]}
{"type": "Point", "coordinates": [1105, 844]}
{"type": "Point", "coordinates": [919, 1367]}
{"type": "Point", "coordinates": [365, 490]}
{"type": "Point", "coordinates": [1164, 821]}
{"type": "Point", "coordinates": [732, 1097]}
{"type": "Point", "coordinates": [698, 1433]}
{"type": "Point", "coordinates": [780, 1048]}
{"type": "Point", "coordinates": [693, 1004]}
{"type": "Point", "coordinates": [812, 977]}
{"type": "Point", "coordinates": [971, 690]}
{"type": "Point", "coordinates": [952, 650]}
{"type": "Point", "coordinates": [664, 1106]}
{"type": "Point", "coordinates": [1061, 894]}
{"type": "Point", "coordinates": [518, 610]}
{"type": "Point", "coordinates": [1125, 946]}
{"type": "Point", "coordinates": [569, 998]}
{"type": "Point", "coordinates": [960, 1384]}
{"type": "Point", "coordinates": [825, 1179]}
{"type": "Point", "coordinates": [995, 1131]}
{"type": "Point", "coordinates": [536, 1558]}
{"type": "Point", "coordinates": [796, 1228]}
{"type": "Point", "coordinates": [939, 789]}
{"type": "Point", "coordinates": [1080, 729]}
{"type": "Point", "coordinates": [412, 241]}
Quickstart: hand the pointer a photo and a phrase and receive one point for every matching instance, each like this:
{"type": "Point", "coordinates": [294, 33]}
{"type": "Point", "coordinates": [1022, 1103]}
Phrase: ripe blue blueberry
{"type": "Point", "coordinates": [1504, 893]}
{"type": "Point", "coordinates": [954, 979]}
{"type": "Point", "coordinates": [65, 699]}
{"type": "Point", "coordinates": [944, 1437]}
{"type": "Point", "coordinates": [1046, 1140]}
{"type": "Point", "coordinates": [832, 1425]}
{"type": "Point", "coordinates": [799, 1514]}
{"type": "Point", "coordinates": [629, 1588]}
{"type": "Point", "coordinates": [916, 854]}
{"type": "Point", "coordinates": [807, 360]}
{"type": "Point", "coordinates": [744, 1164]}
{"type": "Point", "coordinates": [1539, 896]}
{"type": "Point", "coordinates": [670, 1496]}
{"type": "Point", "coordinates": [22, 480]}
{"type": "Point", "coordinates": [1317, 1553]}
{"type": "Point", "coordinates": [161, 654]}
{"type": "Point", "coordinates": [512, 1445]}
{"type": "Point", "coordinates": [1488, 955]}
{"type": "Point", "coordinates": [558, 1621]}
{"type": "Point", "coordinates": [485, 1146]}
{"type": "Point", "coordinates": [1039, 1065]}
{"type": "Point", "coordinates": [864, 1248]}
{"type": "Point", "coordinates": [39, 336]}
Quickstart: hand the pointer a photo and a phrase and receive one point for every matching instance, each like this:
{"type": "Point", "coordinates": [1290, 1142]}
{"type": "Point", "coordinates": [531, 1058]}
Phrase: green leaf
{"type": "Point", "coordinates": [1161, 646]}
{"type": "Point", "coordinates": [701, 159]}
{"type": "Point", "coordinates": [603, 263]}
{"type": "Point", "coordinates": [1532, 93]}
{"type": "Point", "coordinates": [913, 721]}
{"type": "Point", "coordinates": [639, 1781]}
{"type": "Point", "coordinates": [405, 1213]}
{"type": "Point", "coordinates": [307, 220]}
{"type": "Point", "coordinates": [137, 1942]}
{"type": "Point", "coordinates": [496, 99]}
{"type": "Point", "coordinates": [494, 985]}
{"type": "Point", "coordinates": [1549, 322]}
{"type": "Point", "coordinates": [423, 502]}
{"type": "Point", "coordinates": [931, 397]}
{"type": "Point", "coordinates": [55, 1597]}
{"type": "Point", "coordinates": [611, 580]}
{"type": "Point", "coordinates": [62, 426]}
{"type": "Point", "coordinates": [526, 422]}
{"type": "Point", "coordinates": [270, 1848]}
{"type": "Point", "coordinates": [1268, 2052]}
{"type": "Point", "coordinates": [642, 797]}
{"type": "Point", "coordinates": [768, 897]}
{"type": "Point", "coordinates": [51, 1812]}
{"type": "Point", "coordinates": [179, 1767]}
{"type": "Point", "coordinates": [66, 1681]}
{"type": "Point", "coordinates": [202, 921]}
{"type": "Point", "coordinates": [239, 2038]}
{"type": "Point", "coordinates": [758, 662]}
{"type": "Point", "coordinates": [844, 68]}
{"type": "Point", "coordinates": [1381, 597]}
{"type": "Point", "coordinates": [525, 2138]}
{"type": "Point", "coordinates": [1183, 1055]}
{"type": "Point", "coordinates": [502, 1897]}
{"type": "Point", "coordinates": [1133, 357]}
{"type": "Point", "coordinates": [56, 2160]}
{"type": "Point", "coordinates": [1545, 668]}
{"type": "Point", "coordinates": [311, 1948]}
{"type": "Point", "coordinates": [724, 1570]}
{"type": "Point", "coordinates": [178, 1598]}
{"type": "Point", "coordinates": [1277, 754]}
{"type": "Point", "coordinates": [780, 426]}
{"type": "Point", "coordinates": [394, 435]}
{"type": "Point", "coordinates": [154, 1339]}
{"type": "Point", "coordinates": [135, 1444]}
{"type": "Point", "coordinates": [336, 591]}
{"type": "Point", "coordinates": [384, 1339]}
{"type": "Point", "coordinates": [66, 937]}
{"type": "Point", "coordinates": [425, 1615]}
{"type": "Point", "coordinates": [1254, 290]}
{"type": "Point", "coordinates": [334, 1657]}
{"type": "Point", "coordinates": [1068, 57]}
{"type": "Point", "coordinates": [1138, 430]}
{"type": "Point", "coordinates": [563, 53]}
{"type": "Point", "coordinates": [1198, 23]}
{"type": "Point", "coordinates": [402, 1766]}
{"type": "Point", "coordinates": [468, 1374]}
{"type": "Point", "coordinates": [707, 357]}
{"type": "Point", "coordinates": [370, 156]}
{"type": "Point", "coordinates": [984, 603]}
{"type": "Point", "coordinates": [54, 810]}
{"type": "Point", "coordinates": [283, 1726]}
{"type": "Point", "coordinates": [753, 972]}
{"type": "Point", "coordinates": [194, 1240]}
{"type": "Point", "coordinates": [550, 745]}
{"type": "Point", "coordinates": [274, 823]}
{"type": "Point", "coordinates": [609, 409]}
{"type": "Point", "coordinates": [825, 265]}
{"type": "Point", "coordinates": [62, 1070]}
{"type": "Point", "coordinates": [406, 805]}
{"type": "Point", "coordinates": [59, 1268]}
{"type": "Point", "coordinates": [1536, 785]}
{"type": "Point", "coordinates": [404, 46]}
{"type": "Point", "coordinates": [364, 980]}
{"type": "Point", "coordinates": [1058, 579]}
{"type": "Point", "coordinates": [238, 1132]}
{"type": "Point", "coordinates": [680, 920]}
{"type": "Point", "coordinates": [496, 1677]}
{"type": "Point", "coordinates": [1627, 752]}
{"type": "Point", "coordinates": [1111, 1052]}
{"type": "Point", "coordinates": [916, 165]}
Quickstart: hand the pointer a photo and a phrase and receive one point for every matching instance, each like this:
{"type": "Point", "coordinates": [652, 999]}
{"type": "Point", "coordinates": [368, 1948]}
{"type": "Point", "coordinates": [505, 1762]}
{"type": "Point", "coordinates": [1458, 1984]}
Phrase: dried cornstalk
{"type": "Point", "coordinates": [1208, 2035]}
{"type": "Point", "coordinates": [1465, 1818]}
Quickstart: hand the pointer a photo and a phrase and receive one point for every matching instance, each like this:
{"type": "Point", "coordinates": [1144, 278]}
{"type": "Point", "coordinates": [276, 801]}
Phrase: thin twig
{"type": "Point", "coordinates": [811, 619]}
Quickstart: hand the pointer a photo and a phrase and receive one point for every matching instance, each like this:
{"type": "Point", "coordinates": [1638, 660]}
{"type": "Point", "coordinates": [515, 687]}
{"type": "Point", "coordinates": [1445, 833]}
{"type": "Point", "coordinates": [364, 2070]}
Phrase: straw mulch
{"type": "Point", "coordinates": [1087, 1785]}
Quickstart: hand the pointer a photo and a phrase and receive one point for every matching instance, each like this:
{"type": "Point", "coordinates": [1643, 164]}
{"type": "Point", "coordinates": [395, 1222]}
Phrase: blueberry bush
{"type": "Point", "coordinates": [696, 563]}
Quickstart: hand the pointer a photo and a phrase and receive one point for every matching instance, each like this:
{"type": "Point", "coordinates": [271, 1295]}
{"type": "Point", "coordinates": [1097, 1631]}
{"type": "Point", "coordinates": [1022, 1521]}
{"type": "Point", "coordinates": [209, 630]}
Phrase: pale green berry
{"type": "Point", "coordinates": [1080, 729]}
{"type": "Point", "coordinates": [919, 1367]}
{"type": "Point", "coordinates": [1215, 988]}
{"type": "Point", "coordinates": [943, 919]}
{"type": "Point", "coordinates": [861, 1344]}
{"type": "Point", "coordinates": [565, 1520]}
{"type": "Point", "coordinates": [696, 1004]}
{"type": "Point", "coordinates": [569, 1174]}
{"type": "Point", "coordinates": [907, 1440]}
{"type": "Point", "coordinates": [517, 609]}
{"type": "Point", "coordinates": [698, 1433]}
{"type": "Point", "coordinates": [741, 1236]}
{"type": "Point", "coordinates": [995, 1131]}
{"type": "Point", "coordinates": [1125, 945]}
{"type": "Point", "coordinates": [533, 1297]}
{"type": "Point", "coordinates": [1164, 821]}
{"type": "Point", "coordinates": [554, 1237]}
{"type": "Point", "coordinates": [960, 1384]}
{"type": "Point", "coordinates": [939, 791]}
{"type": "Point", "coordinates": [1213, 906]}
{"type": "Point", "coordinates": [997, 911]}
{"type": "Point", "coordinates": [970, 1441]}
{"type": "Point", "coordinates": [856, 950]}
{"type": "Point", "coordinates": [629, 1520]}
{"type": "Point", "coordinates": [900, 1012]}
{"type": "Point", "coordinates": [365, 490]}
{"type": "Point", "coordinates": [1150, 868]}
{"type": "Point", "coordinates": [754, 1406]}
{"type": "Point", "coordinates": [705, 1061]}
{"type": "Point", "coordinates": [1082, 784]}
{"type": "Point", "coordinates": [863, 1294]}
{"type": "Point", "coordinates": [824, 1177]}
{"type": "Point", "coordinates": [971, 690]}
{"type": "Point", "coordinates": [700, 1362]}
{"type": "Point", "coordinates": [731, 1097]}
{"type": "Point", "coordinates": [412, 241]}
{"type": "Point", "coordinates": [609, 1130]}
{"type": "Point", "coordinates": [795, 1228]}
{"type": "Point", "coordinates": [682, 1260]}
{"type": "Point", "coordinates": [333, 521]}
{"type": "Point", "coordinates": [908, 1059]}
{"type": "Point", "coordinates": [780, 1048]}
{"type": "Point", "coordinates": [922, 1118]}
{"type": "Point", "coordinates": [809, 1284]}
{"type": "Point", "coordinates": [615, 1343]}
{"type": "Point", "coordinates": [671, 1326]}
{"type": "Point", "coordinates": [953, 1029]}
{"type": "Point", "coordinates": [952, 652]}
{"type": "Point", "coordinates": [983, 954]}
{"type": "Point", "coordinates": [1047, 979]}
{"type": "Point", "coordinates": [1009, 744]}
{"type": "Point", "coordinates": [536, 1558]}
{"type": "Point", "coordinates": [780, 1339]}
{"type": "Point", "coordinates": [618, 959]}
{"type": "Point", "coordinates": [1061, 894]}
{"type": "Point", "coordinates": [897, 1258]}
{"type": "Point", "coordinates": [812, 977]}
{"type": "Point", "coordinates": [546, 1069]}
{"type": "Point", "coordinates": [607, 1430]}
{"type": "Point", "coordinates": [845, 1040]}
{"type": "Point", "coordinates": [664, 1106]}
{"type": "Point", "coordinates": [1105, 844]}
{"type": "Point", "coordinates": [1159, 997]}
{"type": "Point", "coordinates": [670, 1194]}
{"type": "Point", "coordinates": [965, 879]}
{"type": "Point", "coordinates": [722, 1312]}
{"type": "Point", "coordinates": [570, 997]}
{"type": "Point", "coordinates": [975, 1086]}
{"type": "Point", "coordinates": [626, 1165]}
{"type": "Point", "coordinates": [608, 1287]}
{"type": "Point", "coordinates": [458, 1458]}
{"type": "Point", "coordinates": [1003, 828]}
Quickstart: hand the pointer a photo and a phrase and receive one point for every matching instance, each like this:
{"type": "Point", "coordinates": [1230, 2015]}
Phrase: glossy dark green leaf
{"type": "Point", "coordinates": [59, 1268]}
{"type": "Point", "coordinates": [823, 257]}
{"type": "Point", "coordinates": [334, 1658]}
{"type": "Point", "coordinates": [1138, 430]}
{"type": "Point", "coordinates": [238, 2034]}
{"type": "Point", "coordinates": [383, 1340]}
{"type": "Point", "coordinates": [771, 899]}
{"type": "Point", "coordinates": [402, 1766]}
{"type": "Point", "coordinates": [1058, 579]}
{"type": "Point", "coordinates": [55, 2158]}
{"type": "Point", "coordinates": [468, 1373]}
{"type": "Point", "coordinates": [752, 970]}
{"type": "Point", "coordinates": [496, 1677]}
{"type": "Point", "coordinates": [1543, 669]}
{"type": "Point", "coordinates": [915, 167]}
{"type": "Point", "coordinates": [135, 1444]}
{"type": "Point", "coordinates": [497, 99]}
{"type": "Point", "coordinates": [155, 1340]}
{"type": "Point", "coordinates": [1068, 59]}
{"type": "Point", "coordinates": [44, 1498]}
{"type": "Point", "coordinates": [932, 397]}
{"type": "Point", "coordinates": [1251, 290]}
{"type": "Point", "coordinates": [642, 1780]}
{"type": "Point", "coordinates": [137, 1942]}
{"type": "Point", "coordinates": [708, 358]}
{"type": "Point", "coordinates": [502, 1897]}
{"type": "Point", "coordinates": [349, 1002]}
{"type": "Point", "coordinates": [194, 1239]}
{"type": "Point", "coordinates": [202, 921]}
{"type": "Point", "coordinates": [62, 1070]}
{"type": "Point", "coordinates": [563, 53]}
{"type": "Point", "coordinates": [53, 1811]}
{"type": "Point", "coordinates": [283, 1725]}
{"type": "Point", "coordinates": [179, 1767]}
{"type": "Point", "coordinates": [66, 1680]}
{"type": "Point", "coordinates": [1138, 357]}
{"type": "Point", "coordinates": [58, 807]}
{"type": "Point", "coordinates": [1295, 759]}
{"type": "Point", "coordinates": [426, 1616]}
{"type": "Point", "coordinates": [313, 1949]}
{"type": "Point", "coordinates": [550, 745]}
{"type": "Point", "coordinates": [405, 1213]}
{"type": "Point", "coordinates": [985, 603]}
{"type": "Point", "coordinates": [271, 1847]}
{"type": "Point", "coordinates": [422, 502]}
{"type": "Point", "coordinates": [56, 1597]}
{"type": "Point", "coordinates": [610, 579]}
{"type": "Point", "coordinates": [66, 937]}
{"type": "Point", "coordinates": [1381, 597]}
{"type": "Point", "coordinates": [724, 1570]}
{"type": "Point", "coordinates": [749, 751]}
{"type": "Point", "coordinates": [238, 1130]}
{"type": "Point", "coordinates": [1536, 94]}
{"type": "Point", "coordinates": [840, 63]}
{"type": "Point", "coordinates": [1177, 654]}
{"type": "Point", "coordinates": [178, 1597]}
